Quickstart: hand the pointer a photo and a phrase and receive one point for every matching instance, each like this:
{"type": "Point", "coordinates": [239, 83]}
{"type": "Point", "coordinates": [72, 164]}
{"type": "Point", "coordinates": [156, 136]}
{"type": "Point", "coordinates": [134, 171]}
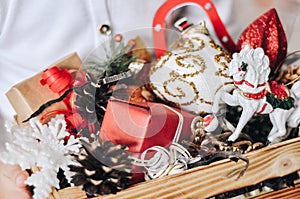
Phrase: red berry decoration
{"type": "Point", "coordinates": [266, 32]}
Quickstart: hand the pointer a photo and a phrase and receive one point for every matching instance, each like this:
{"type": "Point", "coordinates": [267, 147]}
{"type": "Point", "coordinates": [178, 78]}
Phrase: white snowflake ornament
{"type": "Point", "coordinates": [42, 146]}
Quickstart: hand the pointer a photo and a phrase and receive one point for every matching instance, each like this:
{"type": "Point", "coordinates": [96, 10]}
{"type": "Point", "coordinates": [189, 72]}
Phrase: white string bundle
{"type": "Point", "coordinates": [166, 162]}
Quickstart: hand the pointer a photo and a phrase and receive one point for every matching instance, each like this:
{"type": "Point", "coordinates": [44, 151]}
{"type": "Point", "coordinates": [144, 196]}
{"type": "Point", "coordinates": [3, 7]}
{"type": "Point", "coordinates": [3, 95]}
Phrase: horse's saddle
{"type": "Point", "coordinates": [279, 96]}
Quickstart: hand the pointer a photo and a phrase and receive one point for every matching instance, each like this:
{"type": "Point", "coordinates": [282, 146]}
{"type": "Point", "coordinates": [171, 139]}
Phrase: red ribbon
{"type": "Point", "coordinates": [59, 81]}
{"type": "Point", "coordinates": [266, 32]}
{"type": "Point", "coordinates": [256, 96]}
{"type": "Point", "coordinates": [170, 5]}
{"type": "Point", "coordinates": [248, 83]}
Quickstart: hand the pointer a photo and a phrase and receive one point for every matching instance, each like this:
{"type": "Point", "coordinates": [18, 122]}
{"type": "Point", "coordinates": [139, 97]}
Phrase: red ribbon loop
{"type": "Point", "coordinates": [169, 6]}
{"type": "Point", "coordinates": [57, 79]}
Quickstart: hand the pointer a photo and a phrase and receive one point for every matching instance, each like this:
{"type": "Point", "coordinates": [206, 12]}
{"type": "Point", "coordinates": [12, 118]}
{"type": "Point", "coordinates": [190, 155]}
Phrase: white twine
{"type": "Point", "coordinates": [166, 162]}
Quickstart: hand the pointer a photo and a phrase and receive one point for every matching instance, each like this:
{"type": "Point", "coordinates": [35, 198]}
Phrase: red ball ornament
{"type": "Point", "coordinates": [266, 32]}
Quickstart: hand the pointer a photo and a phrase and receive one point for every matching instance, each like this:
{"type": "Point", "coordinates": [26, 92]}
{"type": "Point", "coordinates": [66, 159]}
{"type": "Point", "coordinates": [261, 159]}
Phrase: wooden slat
{"type": "Point", "coordinates": [71, 193]}
{"type": "Point", "coordinates": [206, 181]}
{"type": "Point", "coordinates": [286, 193]}
{"type": "Point", "coordinates": [202, 182]}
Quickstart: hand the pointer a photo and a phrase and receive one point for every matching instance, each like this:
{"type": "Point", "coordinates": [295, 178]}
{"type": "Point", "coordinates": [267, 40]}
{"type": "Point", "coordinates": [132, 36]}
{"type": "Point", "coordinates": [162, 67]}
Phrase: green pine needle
{"type": "Point", "coordinates": [117, 59]}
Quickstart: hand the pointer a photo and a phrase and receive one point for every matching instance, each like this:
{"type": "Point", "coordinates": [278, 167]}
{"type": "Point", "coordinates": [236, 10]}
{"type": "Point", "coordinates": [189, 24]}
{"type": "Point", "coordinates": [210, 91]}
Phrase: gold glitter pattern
{"type": "Point", "coordinates": [163, 61]}
{"type": "Point", "coordinates": [198, 62]}
{"type": "Point", "coordinates": [187, 54]}
{"type": "Point", "coordinates": [187, 44]}
{"type": "Point", "coordinates": [223, 55]}
{"type": "Point", "coordinates": [191, 61]}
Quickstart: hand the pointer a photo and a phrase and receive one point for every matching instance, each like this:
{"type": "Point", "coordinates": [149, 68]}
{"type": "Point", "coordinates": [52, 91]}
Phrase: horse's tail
{"type": "Point", "coordinates": [294, 119]}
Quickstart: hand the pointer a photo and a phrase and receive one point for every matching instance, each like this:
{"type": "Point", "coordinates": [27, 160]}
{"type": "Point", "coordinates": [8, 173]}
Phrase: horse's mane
{"type": "Point", "coordinates": [255, 58]}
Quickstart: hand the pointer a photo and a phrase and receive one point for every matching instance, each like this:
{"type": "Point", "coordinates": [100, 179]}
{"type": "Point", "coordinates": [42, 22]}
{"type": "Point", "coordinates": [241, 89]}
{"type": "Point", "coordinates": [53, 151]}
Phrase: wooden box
{"type": "Point", "coordinates": [28, 95]}
{"type": "Point", "coordinates": [202, 182]}
{"type": "Point", "coordinates": [269, 162]}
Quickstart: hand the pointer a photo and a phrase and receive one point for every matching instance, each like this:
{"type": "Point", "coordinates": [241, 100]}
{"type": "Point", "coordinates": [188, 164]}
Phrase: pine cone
{"type": "Point", "coordinates": [104, 169]}
{"type": "Point", "coordinates": [288, 75]}
{"type": "Point", "coordinates": [194, 147]}
{"type": "Point", "coordinates": [91, 103]}
{"type": "Point", "coordinates": [134, 93]}
{"type": "Point", "coordinates": [63, 182]}
{"type": "Point", "coordinates": [142, 94]}
{"type": "Point", "coordinates": [197, 146]}
{"type": "Point", "coordinates": [103, 94]}
{"type": "Point", "coordinates": [85, 102]}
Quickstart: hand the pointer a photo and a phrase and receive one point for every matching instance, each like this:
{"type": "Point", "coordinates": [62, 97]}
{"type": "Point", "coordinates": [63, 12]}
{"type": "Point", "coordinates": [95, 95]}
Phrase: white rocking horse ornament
{"type": "Point", "coordinates": [250, 70]}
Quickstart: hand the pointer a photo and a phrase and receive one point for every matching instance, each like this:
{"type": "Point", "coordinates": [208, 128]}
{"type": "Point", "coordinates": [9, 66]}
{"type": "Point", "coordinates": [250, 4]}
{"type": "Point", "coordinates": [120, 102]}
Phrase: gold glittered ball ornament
{"type": "Point", "coordinates": [192, 72]}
